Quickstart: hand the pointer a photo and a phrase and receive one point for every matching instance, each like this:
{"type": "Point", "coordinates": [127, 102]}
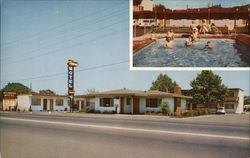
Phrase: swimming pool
{"type": "Point", "coordinates": [225, 53]}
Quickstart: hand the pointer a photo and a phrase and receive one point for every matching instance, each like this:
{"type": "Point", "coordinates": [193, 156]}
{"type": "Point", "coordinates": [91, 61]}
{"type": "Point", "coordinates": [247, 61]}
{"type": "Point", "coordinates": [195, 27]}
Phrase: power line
{"type": "Point", "coordinates": [64, 73]}
{"type": "Point", "coordinates": [66, 40]}
{"type": "Point", "coordinates": [55, 27]}
{"type": "Point", "coordinates": [74, 45]}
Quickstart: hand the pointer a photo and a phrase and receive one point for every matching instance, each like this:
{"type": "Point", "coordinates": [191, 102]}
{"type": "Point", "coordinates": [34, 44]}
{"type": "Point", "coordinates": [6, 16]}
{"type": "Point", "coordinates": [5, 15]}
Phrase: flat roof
{"type": "Point", "coordinates": [43, 95]}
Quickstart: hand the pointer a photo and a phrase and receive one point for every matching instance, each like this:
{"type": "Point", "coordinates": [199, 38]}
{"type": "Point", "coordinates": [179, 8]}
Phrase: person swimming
{"type": "Point", "coordinates": [188, 43]}
{"type": "Point", "coordinates": [208, 45]}
{"type": "Point", "coordinates": [191, 41]}
{"type": "Point", "coordinates": [169, 43]}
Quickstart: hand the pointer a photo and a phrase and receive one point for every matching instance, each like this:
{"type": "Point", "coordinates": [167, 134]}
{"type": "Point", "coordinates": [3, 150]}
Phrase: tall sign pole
{"type": "Point", "coordinates": [71, 92]}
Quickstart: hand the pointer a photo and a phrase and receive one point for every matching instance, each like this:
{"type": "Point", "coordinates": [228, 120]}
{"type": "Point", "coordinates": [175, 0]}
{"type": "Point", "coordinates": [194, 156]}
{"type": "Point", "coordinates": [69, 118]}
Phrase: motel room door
{"type": "Point", "coordinates": [51, 104]}
{"type": "Point", "coordinates": [136, 105]}
{"type": "Point", "coordinates": [177, 104]}
{"type": "Point", "coordinates": [45, 104]}
{"type": "Point", "coordinates": [121, 105]}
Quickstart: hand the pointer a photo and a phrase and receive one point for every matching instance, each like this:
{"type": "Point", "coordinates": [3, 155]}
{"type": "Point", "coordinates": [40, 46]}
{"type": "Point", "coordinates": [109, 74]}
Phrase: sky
{"type": "Point", "coordinates": [38, 37]}
{"type": "Point", "coordinates": [182, 4]}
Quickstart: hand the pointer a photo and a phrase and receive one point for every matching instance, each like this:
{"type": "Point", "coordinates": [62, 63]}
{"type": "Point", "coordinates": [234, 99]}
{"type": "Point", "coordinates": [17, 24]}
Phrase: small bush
{"type": "Point", "coordinates": [87, 109]}
{"type": "Point", "coordinates": [165, 108]}
{"type": "Point", "coordinates": [92, 111]}
{"type": "Point", "coordinates": [108, 112]}
{"type": "Point", "coordinates": [97, 111]}
{"type": "Point", "coordinates": [65, 109]}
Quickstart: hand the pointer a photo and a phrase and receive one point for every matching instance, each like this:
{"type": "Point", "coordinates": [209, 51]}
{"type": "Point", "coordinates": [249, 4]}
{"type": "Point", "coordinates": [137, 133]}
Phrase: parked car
{"type": "Point", "coordinates": [220, 110]}
{"type": "Point", "coordinates": [246, 107]}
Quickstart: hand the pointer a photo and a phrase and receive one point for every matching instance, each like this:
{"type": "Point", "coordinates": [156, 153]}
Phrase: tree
{"type": "Point", "coordinates": [207, 88]}
{"type": "Point", "coordinates": [46, 91]}
{"type": "Point", "coordinates": [159, 8]}
{"type": "Point", "coordinates": [163, 83]}
{"type": "Point", "coordinates": [91, 91]}
{"type": "Point", "coordinates": [15, 87]}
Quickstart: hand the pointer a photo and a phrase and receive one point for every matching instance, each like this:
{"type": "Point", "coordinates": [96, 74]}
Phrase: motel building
{"type": "Point", "coordinates": [125, 101]}
{"type": "Point", "coordinates": [46, 102]}
{"type": "Point", "coordinates": [233, 102]}
{"type": "Point", "coordinates": [144, 14]}
{"type": "Point", "coordinates": [121, 101]}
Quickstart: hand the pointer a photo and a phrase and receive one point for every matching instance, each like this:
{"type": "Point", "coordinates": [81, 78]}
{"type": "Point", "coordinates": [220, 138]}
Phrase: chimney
{"type": "Point", "coordinates": [177, 89]}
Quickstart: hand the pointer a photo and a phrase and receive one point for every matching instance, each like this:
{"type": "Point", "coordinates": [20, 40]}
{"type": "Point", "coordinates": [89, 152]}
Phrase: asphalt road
{"type": "Point", "coordinates": [107, 136]}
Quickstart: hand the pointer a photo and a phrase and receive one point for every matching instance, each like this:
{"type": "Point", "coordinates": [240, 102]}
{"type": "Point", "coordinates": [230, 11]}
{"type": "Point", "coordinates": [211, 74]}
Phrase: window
{"type": "Point", "coordinates": [153, 103]}
{"type": "Point", "coordinates": [106, 102]}
{"type": "Point", "coordinates": [200, 105]}
{"type": "Point", "coordinates": [88, 102]}
{"type": "Point", "coordinates": [59, 102]}
{"type": "Point", "coordinates": [213, 106]}
{"type": "Point", "coordinates": [229, 106]}
{"type": "Point", "coordinates": [82, 104]}
{"type": "Point", "coordinates": [36, 101]}
{"type": "Point", "coordinates": [128, 101]}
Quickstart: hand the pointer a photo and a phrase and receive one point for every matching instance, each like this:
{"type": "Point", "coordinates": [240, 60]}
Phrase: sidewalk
{"type": "Point", "coordinates": [143, 41]}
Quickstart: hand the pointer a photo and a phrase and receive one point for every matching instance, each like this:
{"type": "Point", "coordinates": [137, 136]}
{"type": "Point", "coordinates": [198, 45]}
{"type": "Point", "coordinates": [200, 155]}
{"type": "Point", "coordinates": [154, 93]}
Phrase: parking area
{"type": "Point", "coordinates": [220, 118]}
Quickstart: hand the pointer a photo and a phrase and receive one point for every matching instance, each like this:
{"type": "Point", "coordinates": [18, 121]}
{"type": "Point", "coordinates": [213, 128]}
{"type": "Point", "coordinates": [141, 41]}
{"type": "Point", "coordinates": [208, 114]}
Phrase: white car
{"type": "Point", "coordinates": [220, 110]}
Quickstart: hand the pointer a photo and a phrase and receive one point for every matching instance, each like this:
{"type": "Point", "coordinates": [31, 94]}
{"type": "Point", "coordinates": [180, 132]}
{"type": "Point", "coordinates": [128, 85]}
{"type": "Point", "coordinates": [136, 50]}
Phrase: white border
{"type": "Point", "coordinates": [131, 68]}
{"type": "Point", "coordinates": [131, 35]}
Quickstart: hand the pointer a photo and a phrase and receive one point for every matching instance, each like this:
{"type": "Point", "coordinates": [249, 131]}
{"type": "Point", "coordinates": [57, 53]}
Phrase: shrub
{"type": "Point", "coordinates": [65, 109]}
{"type": "Point", "coordinates": [109, 112]}
{"type": "Point", "coordinates": [92, 111]}
{"type": "Point", "coordinates": [97, 111]}
{"type": "Point", "coordinates": [165, 107]}
{"type": "Point", "coordinates": [87, 109]}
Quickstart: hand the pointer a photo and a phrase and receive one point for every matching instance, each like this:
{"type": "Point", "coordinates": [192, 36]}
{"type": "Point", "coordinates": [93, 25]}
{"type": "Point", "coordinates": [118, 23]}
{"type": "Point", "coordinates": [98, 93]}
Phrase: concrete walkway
{"type": "Point", "coordinates": [143, 41]}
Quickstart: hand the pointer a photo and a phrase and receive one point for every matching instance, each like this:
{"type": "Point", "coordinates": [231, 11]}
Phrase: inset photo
{"type": "Point", "coordinates": [190, 34]}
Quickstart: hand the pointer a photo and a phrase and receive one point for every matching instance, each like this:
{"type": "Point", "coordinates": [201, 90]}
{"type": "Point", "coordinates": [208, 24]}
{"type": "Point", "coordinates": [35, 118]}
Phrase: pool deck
{"type": "Point", "coordinates": [142, 41]}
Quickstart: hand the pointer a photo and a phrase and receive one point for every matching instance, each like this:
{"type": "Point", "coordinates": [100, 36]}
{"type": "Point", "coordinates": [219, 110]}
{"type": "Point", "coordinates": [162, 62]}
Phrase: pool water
{"type": "Point", "coordinates": [225, 53]}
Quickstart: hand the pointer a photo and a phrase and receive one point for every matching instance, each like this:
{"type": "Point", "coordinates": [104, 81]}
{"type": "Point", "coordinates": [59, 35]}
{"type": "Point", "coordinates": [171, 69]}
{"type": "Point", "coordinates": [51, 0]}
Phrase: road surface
{"type": "Point", "coordinates": [112, 136]}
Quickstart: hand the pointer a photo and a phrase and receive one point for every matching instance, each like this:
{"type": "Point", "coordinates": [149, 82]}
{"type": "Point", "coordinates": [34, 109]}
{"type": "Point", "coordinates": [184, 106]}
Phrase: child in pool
{"type": "Point", "coordinates": [188, 43]}
{"type": "Point", "coordinates": [169, 43]}
{"type": "Point", "coordinates": [208, 45]}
